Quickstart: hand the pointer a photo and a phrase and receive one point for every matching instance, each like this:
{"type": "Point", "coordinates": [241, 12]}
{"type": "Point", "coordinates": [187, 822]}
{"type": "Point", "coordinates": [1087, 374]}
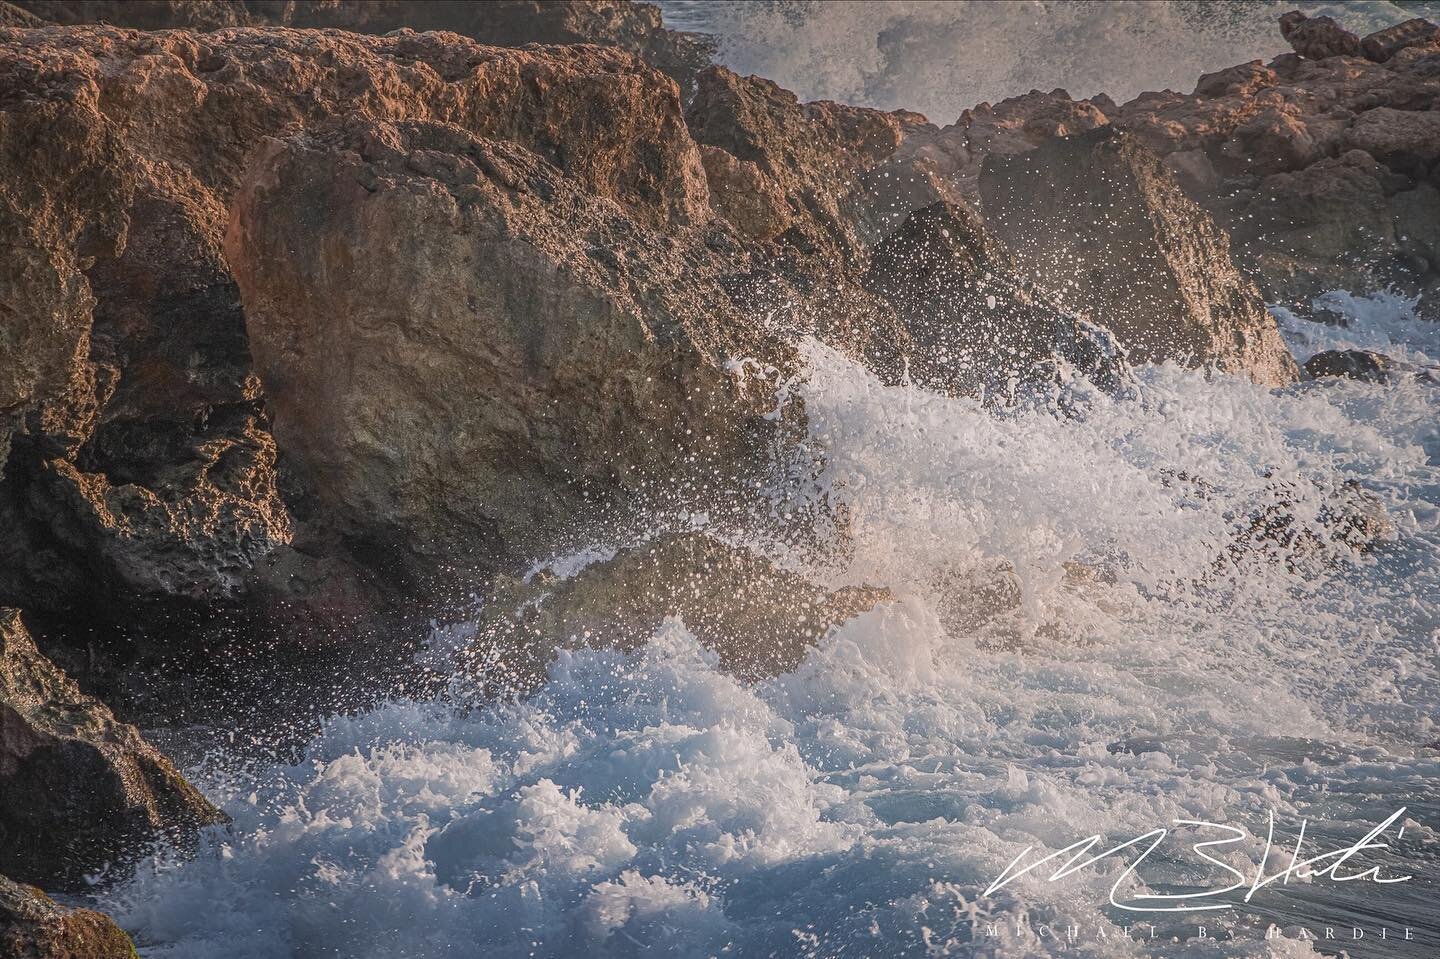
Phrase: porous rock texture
{"type": "Point", "coordinates": [1109, 231]}
{"type": "Point", "coordinates": [81, 790]}
{"type": "Point", "coordinates": [33, 926]}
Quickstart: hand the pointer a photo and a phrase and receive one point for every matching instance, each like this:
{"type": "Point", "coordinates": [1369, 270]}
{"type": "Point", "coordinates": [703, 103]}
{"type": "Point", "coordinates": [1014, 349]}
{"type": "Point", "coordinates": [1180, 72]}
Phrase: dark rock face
{"type": "Point", "coordinates": [1316, 38]}
{"type": "Point", "coordinates": [977, 329]}
{"type": "Point", "coordinates": [82, 790]}
{"type": "Point", "coordinates": [1256, 145]}
{"type": "Point", "coordinates": [1115, 239]}
{"type": "Point", "coordinates": [1381, 45]}
{"type": "Point", "coordinates": [34, 927]}
{"type": "Point", "coordinates": [1352, 364]}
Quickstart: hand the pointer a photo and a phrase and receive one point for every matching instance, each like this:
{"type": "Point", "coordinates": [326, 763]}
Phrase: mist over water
{"type": "Point", "coordinates": [649, 804]}
{"type": "Point", "coordinates": [940, 57]}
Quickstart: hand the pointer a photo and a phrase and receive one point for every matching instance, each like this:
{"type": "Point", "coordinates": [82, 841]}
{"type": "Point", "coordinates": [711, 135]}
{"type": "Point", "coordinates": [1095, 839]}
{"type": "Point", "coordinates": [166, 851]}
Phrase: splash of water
{"type": "Point", "coordinates": [649, 804]}
{"type": "Point", "coordinates": [944, 56]}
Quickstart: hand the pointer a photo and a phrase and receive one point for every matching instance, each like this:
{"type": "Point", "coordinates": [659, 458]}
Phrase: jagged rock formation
{"type": "Point", "coordinates": [82, 791]}
{"type": "Point", "coordinates": [633, 27]}
{"type": "Point", "coordinates": [1316, 38]}
{"type": "Point", "coordinates": [1321, 167]}
{"type": "Point", "coordinates": [759, 618]}
{"type": "Point", "coordinates": [469, 354]}
{"type": "Point", "coordinates": [977, 329]}
{"type": "Point", "coordinates": [32, 926]}
{"type": "Point", "coordinates": [1112, 235]}
{"type": "Point", "coordinates": [468, 294]}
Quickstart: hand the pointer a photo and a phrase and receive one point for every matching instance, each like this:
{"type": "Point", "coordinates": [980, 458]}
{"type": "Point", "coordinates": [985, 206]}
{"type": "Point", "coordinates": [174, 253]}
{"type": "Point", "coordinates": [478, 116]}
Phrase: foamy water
{"type": "Point", "coordinates": [649, 804]}
{"type": "Point", "coordinates": [944, 56]}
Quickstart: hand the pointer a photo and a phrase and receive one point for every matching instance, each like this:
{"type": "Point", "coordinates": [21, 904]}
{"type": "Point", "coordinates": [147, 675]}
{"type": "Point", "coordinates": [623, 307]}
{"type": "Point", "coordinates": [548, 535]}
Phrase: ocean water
{"type": "Point", "coordinates": [944, 56]}
{"type": "Point", "coordinates": [1159, 663]}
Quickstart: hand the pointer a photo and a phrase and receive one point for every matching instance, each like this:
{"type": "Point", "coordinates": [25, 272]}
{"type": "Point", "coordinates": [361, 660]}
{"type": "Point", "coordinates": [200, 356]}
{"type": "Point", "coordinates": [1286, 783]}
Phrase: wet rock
{"type": "Point", "coordinates": [33, 926]}
{"type": "Point", "coordinates": [1316, 38]}
{"type": "Point", "coordinates": [82, 791]}
{"type": "Point", "coordinates": [1353, 364]}
{"type": "Point", "coordinates": [1116, 240]}
{"type": "Point", "coordinates": [975, 326]}
{"type": "Point", "coordinates": [758, 617]}
{"type": "Point", "coordinates": [1384, 44]}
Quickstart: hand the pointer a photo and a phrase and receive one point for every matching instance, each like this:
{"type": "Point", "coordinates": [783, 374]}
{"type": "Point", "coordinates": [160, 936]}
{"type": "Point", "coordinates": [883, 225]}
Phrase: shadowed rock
{"type": "Point", "coordinates": [1352, 364]}
{"type": "Point", "coordinates": [1098, 220]}
{"type": "Point", "coordinates": [82, 791]}
{"type": "Point", "coordinates": [1316, 38]}
{"type": "Point", "coordinates": [976, 327]}
{"type": "Point", "coordinates": [32, 926]}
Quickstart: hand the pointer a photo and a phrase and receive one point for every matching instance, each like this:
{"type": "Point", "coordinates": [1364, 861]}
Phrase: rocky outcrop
{"type": "Point", "coordinates": [82, 791]}
{"type": "Point", "coordinates": [1111, 234]}
{"type": "Point", "coordinates": [1381, 45]}
{"type": "Point", "coordinates": [758, 617]}
{"type": "Point", "coordinates": [977, 327]}
{"type": "Point", "coordinates": [813, 156]}
{"type": "Point", "coordinates": [633, 27]}
{"type": "Point", "coordinates": [141, 481]}
{"type": "Point", "coordinates": [33, 926]}
{"type": "Point", "coordinates": [1316, 38]}
{"type": "Point", "coordinates": [1319, 165]}
{"type": "Point", "coordinates": [1351, 364]}
{"type": "Point", "coordinates": [468, 353]}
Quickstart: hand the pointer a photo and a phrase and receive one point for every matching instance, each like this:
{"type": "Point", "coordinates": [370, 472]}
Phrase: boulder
{"type": "Point", "coordinates": [758, 617]}
{"type": "Point", "coordinates": [1384, 44]}
{"type": "Point", "coordinates": [1352, 364]}
{"type": "Point", "coordinates": [33, 926]}
{"type": "Point", "coordinates": [1316, 38]}
{"type": "Point", "coordinates": [977, 328]}
{"type": "Point", "coordinates": [82, 791]}
{"type": "Point", "coordinates": [1116, 240]}
{"type": "Point", "coordinates": [468, 356]}
{"type": "Point", "coordinates": [140, 483]}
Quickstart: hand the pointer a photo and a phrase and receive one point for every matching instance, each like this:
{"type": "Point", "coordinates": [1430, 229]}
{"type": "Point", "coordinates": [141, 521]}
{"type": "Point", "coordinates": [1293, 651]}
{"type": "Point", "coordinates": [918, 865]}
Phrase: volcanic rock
{"type": "Point", "coordinates": [82, 791]}
{"type": "Point", "coordinates": [33, 926]}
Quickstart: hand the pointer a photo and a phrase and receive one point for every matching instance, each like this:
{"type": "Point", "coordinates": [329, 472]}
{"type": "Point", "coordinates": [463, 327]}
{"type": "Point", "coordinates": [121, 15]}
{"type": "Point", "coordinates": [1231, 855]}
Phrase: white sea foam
{"type": "Point", "coordinates": [648, 804]}
{"type": "Point", "coordinates": [943, 56]}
